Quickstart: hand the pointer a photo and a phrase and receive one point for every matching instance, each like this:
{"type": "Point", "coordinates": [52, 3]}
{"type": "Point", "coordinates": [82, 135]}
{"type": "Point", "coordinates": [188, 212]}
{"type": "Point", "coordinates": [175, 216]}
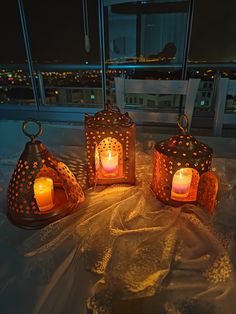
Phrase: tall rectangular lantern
{"type": "Point", "coordinates": [110, 143]}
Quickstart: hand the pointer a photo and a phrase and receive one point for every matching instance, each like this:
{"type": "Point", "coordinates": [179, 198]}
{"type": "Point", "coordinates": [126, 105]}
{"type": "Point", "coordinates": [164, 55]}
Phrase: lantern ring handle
{"type": "Point", "coordinates": [185, 121]}
{"type": "Point", "coordinates": [32, 136]}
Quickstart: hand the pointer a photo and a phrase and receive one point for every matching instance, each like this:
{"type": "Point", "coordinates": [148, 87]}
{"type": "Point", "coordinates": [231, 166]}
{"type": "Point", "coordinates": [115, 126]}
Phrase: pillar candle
{"type": "Point", "coordinates": [181, 182]}
{"type": "Point", "coordinates": [43, 193]}
{"type": "Point", "coordinates": [109, 160]}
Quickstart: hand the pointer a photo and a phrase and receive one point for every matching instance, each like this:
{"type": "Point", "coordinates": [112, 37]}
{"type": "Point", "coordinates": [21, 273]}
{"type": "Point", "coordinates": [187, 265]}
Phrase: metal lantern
{"type": "Point", "coordinates": [182, 171]}
{"type": "Point", "coordinates": [41, 189]}
{"type": "Point", "coordinates": [110, 140]}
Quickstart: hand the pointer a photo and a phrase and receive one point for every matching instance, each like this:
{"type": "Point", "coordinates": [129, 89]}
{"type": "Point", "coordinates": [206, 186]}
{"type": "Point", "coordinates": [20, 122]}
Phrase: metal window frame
{"type": "Point", "coordinates": [28, 52]}
{"type": "Point", "coordinates": [67, 113]}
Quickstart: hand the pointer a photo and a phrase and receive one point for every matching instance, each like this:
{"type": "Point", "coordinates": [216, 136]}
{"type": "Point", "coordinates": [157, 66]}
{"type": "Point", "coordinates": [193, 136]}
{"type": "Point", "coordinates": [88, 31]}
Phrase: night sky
{"type": "Point", "coordinates": [214, 31]}
{"type": "Point", "coordinates": [56, 31]}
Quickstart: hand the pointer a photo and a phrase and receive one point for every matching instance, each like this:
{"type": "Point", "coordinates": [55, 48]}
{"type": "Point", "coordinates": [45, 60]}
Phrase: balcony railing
{"type": "Point", "coordinates": [73, 89]}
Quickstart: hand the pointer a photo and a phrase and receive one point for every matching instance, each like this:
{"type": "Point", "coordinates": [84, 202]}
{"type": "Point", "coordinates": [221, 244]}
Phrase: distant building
{"type": "Point", "coordinates": [153, 102]}
{"type": "Point", "coordinates": [204, 95]}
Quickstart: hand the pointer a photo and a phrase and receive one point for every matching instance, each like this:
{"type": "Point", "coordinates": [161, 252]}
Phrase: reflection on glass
{"type": "Point", "coordinates": [147, 32]}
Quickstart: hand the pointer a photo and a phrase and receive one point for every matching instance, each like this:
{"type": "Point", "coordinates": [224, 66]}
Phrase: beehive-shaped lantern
{"type": "Point", "coordinates": [110, 140]}
{"type": "Point", "coordinates": [41, 189]}
{"type": "Point", "coordinates": [181, 171]}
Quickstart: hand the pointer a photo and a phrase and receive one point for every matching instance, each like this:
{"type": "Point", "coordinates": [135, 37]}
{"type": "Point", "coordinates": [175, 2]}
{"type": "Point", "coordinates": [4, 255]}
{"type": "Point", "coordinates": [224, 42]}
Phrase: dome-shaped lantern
{"type": "Point", "coordinates": [41, 189]}
{"type": "Point", "coordinates": [181, 171]}
{"type": "Point", "coordinates": [110, 140]}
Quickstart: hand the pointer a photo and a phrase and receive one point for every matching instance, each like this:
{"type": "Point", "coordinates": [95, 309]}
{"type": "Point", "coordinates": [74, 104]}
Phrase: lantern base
{"type": "Point", "coordinates": [189, 197]}
{"type": "Point", "coordinates": [176, 202]}
{"type": "Point", "coordinates": [110, 181]}
{"type": "Point", "coordinates": [61, 208]}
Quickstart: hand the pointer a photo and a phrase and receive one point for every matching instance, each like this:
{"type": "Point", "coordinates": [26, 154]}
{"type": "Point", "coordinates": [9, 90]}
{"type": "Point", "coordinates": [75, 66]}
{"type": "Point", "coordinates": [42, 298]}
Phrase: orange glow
{"type": "Point", "coordinates": [109, 160]}
{"type": "Point", "coordinates": [43, 193]}
{"type": "Point", "coordinates": [181, 183]}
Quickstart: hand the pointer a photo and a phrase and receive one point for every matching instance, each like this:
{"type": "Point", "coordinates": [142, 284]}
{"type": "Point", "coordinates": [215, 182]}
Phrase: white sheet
{"type": "Point", "coordinates": [122, 251]}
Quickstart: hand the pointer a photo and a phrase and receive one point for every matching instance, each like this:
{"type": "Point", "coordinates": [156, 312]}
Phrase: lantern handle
{"type": "Point", "coordinates": [110, 107]}
{"type": "Point", "coordinates": [31, 135]}
{"type": "Point", "coordinates": [185, 121]}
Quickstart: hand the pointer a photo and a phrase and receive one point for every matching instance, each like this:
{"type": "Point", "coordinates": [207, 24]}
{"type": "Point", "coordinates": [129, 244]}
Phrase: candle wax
{"type": "Point", "coordinates": [182, 182]}
{"type": "Point", "coordinates": [109, 160]}
{"type": "Point", "coordinates": [43, 193]}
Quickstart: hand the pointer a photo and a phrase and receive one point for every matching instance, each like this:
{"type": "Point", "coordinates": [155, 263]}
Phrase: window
{"type": "Point", "coordinates": [212, 50]}
{"type": "Point", "coordinates": [62, 39]}
{"type": "Point", "coordinates": [147, 33]}
{"type": "Point", "coordinates": [143, 40]}
{"type": "Point", "coordinates": [212, 32]}
{"type": "Point", "coordinates": [15, 83]}
{"type": "Point", "coordinates": [57, 34]}
{"type": "Point", "coordinates": [66, 68]}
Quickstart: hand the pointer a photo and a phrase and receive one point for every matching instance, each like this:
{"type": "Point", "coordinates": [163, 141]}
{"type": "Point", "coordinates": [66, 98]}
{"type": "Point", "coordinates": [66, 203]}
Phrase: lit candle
{"type": "Point", "coordinates": [181, 183]}
{"type": "Point", "coordinates": [43, 193]}
{"type": "Point", "coordinates": [109, 160]}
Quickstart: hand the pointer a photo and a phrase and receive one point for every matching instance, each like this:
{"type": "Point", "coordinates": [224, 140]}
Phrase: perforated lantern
{"type": "Point", "coordinates": [181, 171]}
{"type": "Point", "coordinates": [41, 189]}
{"type": "Point", "coordinates": [110, 140]}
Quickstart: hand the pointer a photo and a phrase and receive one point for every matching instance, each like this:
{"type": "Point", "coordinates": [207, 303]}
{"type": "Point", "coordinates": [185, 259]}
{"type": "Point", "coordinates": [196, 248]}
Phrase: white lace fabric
{"type": "Point", "coordinates": [120, 247]}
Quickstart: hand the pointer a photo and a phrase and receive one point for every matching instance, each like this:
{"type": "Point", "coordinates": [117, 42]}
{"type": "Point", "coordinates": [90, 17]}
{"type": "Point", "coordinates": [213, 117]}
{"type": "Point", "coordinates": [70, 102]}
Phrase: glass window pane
{"type": "Point", "coordinates": [230, 105]}
{"type": "Point", "coordinates": [213, 32]}
{"type": "Point", "coordinates": [15, 83]}
{"type": "Point", "coordinates": [15, 86]}
{"type": "Point", "coordinates": [211, 55]}
{"type": "Point", "coordinates": [65, 51]}
{"type": "Point", "coordinates": [73, 88]}
{"type": "Point", "coordinates": [148, 32]}
{"type": "Point", "coordinates": [153, 102]}
{"type": "Point", "coordinates": [56, 30]}
{"type": "Point", "coordinates": [146, 40]}
{"type": "Point", "coordinates": [12, 48]}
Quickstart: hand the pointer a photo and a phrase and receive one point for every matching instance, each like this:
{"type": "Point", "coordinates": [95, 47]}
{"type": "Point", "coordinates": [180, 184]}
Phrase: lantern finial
{"type": "Point", "coordinates": [32, 136]}
{"type": "Point", "coordinates": [183, 120]}
{"type": "Point", "coordinates": [109, 107]}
